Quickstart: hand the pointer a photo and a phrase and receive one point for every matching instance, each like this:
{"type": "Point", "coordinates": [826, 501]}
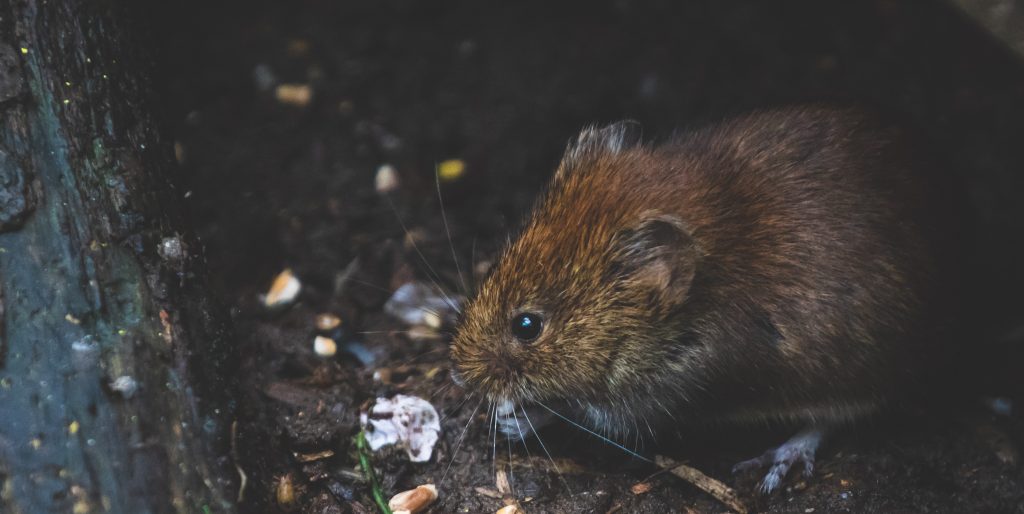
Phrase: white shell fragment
{"type": "Point", "coordinates": [284, 289]}
{"type": "Point", "coordinates": [417, 303]}
{"type": "Point", "coordinates": [408, 421]}
{"type": "Point", "coordinates": [386, 180]}
{"type": "Point", "coordinates": [413, 500]}
{"type": "Point", "coordinates": [325, 346]}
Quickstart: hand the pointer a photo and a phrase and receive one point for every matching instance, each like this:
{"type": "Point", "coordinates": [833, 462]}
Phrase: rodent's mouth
{"type": "Point", "coordinates": [521, 423]}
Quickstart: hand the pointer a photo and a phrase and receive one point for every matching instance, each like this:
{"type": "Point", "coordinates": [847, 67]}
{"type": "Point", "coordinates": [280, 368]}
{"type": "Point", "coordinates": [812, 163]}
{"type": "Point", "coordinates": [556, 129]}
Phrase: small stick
{"type": "Point", "coordinates": [715, 488]}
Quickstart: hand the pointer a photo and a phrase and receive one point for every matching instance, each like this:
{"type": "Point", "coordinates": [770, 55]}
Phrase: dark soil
{"type": "Point", "coordinates": [503, 86]}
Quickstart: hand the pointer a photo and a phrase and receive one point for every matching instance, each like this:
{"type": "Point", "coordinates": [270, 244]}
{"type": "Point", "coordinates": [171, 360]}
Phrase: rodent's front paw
{"type": "Point", "coordinates": [799, 448]}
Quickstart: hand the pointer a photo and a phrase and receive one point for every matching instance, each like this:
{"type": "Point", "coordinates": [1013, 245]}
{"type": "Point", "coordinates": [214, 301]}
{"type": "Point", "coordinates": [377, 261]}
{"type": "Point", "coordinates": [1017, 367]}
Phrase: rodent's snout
{"type": "Point", "coordinates": [489, 369]}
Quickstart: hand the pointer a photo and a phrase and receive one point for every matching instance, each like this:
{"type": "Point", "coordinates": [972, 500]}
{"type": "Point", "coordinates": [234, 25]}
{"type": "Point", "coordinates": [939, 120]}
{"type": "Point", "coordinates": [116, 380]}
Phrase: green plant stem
{"type": "Point", "coordinates": [364, 462]}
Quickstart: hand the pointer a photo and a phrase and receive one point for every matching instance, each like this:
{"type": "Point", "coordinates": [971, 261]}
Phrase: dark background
{"type": "Point", "coordinates": [503, 86]}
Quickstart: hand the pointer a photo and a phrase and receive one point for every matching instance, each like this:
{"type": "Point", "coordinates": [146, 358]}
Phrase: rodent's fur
{"type": "Point", "coordinates": [773, 266]}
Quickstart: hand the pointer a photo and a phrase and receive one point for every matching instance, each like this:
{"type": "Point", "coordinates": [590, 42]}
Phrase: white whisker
{"type": "Point", "coordinates": [545, 448]}
{"type": "Point", "coordinates": [461, 439]}
{"type": "Point", "coordinates": [444, 218]}
{"type": "Point", "coordinates": [432, 275]}
{"type": "Point", "coordinates": [595, 434]}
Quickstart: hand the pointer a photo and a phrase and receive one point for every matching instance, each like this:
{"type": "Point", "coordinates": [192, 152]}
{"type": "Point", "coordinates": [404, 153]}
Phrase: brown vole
{"type": "Point", "coordinates": [773, 267]}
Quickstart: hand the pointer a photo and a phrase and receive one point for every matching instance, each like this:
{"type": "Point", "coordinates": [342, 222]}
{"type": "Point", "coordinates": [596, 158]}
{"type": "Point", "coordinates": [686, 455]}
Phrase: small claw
{"type": "Point", "coordinates": [799, 448]}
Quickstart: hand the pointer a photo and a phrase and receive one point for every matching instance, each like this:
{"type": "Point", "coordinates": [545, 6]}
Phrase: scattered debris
{"type": "Point", "coordinates": [325, 346]}
{"type": "Point", "coordinates": [312, 457]}
{"type": "Point", "coordinates": [417, 303]}
{"type": "Point", "coordinates": [488, 492]}
{"type": "Point", "coordinates": [641, 488]}
{"type": "Point", "coordinates": [284, 289]}
{"type": "Point", "coordinates": [451, 169]}
{"type": "Point", "coordinates": [510, 509]}
{"type": "Point", "coordinates": [409, 421]}
{"type": "Point", "coordinates": [172, 248]}
{"type": "Point", "coordinates": [386, 180]}
{"type": "Point", "coordinates": [501, 482]}
{"type": "Point", "coordinates": [125, 385]}
{"type": "Point", "coordinates": [168, 330]}
{"type": "Point", "coordinates": [715, 488]}
{"type": "Point", "coordinates": [382, 375]}
{"type": "Point", "coordinates": [294, 94]}
{"type": "Point", "coordinates": [413, 500]}
{"type": "Point", "coordinates": [286, 492]}
{"type": "Point", "coordinates": [326, 322]}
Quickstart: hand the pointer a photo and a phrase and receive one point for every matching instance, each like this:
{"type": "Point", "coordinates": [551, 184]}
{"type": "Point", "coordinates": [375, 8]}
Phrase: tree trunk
{"type": "Point", "coordinates": [114, 366]}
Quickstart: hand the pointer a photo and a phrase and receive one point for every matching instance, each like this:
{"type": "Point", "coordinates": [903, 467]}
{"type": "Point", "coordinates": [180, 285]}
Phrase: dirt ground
{"type": "Point", "coordinates": [502, 87]}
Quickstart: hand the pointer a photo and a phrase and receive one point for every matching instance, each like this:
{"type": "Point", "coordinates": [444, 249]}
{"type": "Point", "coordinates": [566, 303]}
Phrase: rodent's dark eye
{"type": "Point", "coordinates": [526, 326]}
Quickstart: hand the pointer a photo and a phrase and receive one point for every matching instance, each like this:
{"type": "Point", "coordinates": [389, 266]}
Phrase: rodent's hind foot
{"type": "Point", "coordinates": [799, 448]}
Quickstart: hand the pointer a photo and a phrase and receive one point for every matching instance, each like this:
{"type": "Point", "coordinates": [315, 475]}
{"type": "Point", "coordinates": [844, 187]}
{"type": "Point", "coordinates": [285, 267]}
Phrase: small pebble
{"type": "Point", "coordinates": [325, 346]}
{"type": "Point", "coordinates": [641, 488]}
{"type": "Point", "coordinates": [386, 180]}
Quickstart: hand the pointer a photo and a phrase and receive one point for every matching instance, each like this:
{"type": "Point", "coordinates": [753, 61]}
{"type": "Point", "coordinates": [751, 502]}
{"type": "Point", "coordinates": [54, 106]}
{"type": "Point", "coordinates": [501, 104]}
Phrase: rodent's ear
{"type": "Point", "coordinates": [596, 141]}
{"type": "Point", "coordinates": [660, 255]}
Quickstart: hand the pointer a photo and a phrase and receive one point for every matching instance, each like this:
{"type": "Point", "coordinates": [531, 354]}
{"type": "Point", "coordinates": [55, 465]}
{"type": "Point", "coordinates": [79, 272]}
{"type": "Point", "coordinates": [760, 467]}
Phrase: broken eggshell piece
{"type": "Point", "coordinates": [408, 421]}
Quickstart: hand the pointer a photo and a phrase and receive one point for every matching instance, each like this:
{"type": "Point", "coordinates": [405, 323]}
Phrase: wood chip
{"type": "Point", "coordinates": [311, 457]}
{"type": "Point", "coordinates": [715, 488]}
{"type": "Point", "coordinates": [488, 492]}
{"type": "Point", "coordinates": [413, 500]}
{"type": "Point", "coordinates": [501, 482]}
{"type": "Point", "coordinates": [510, 509]}
{"type": "Point", "coordinates": [641, 488]}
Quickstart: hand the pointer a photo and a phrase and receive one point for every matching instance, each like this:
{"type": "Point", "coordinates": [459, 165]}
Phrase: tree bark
{"type": "Point", "coordinates": [114, 363]}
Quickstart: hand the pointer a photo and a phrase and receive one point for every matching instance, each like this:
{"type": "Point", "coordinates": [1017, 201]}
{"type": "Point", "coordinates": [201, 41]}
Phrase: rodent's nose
{"type": "Point", "coordinates": [501, 369]}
